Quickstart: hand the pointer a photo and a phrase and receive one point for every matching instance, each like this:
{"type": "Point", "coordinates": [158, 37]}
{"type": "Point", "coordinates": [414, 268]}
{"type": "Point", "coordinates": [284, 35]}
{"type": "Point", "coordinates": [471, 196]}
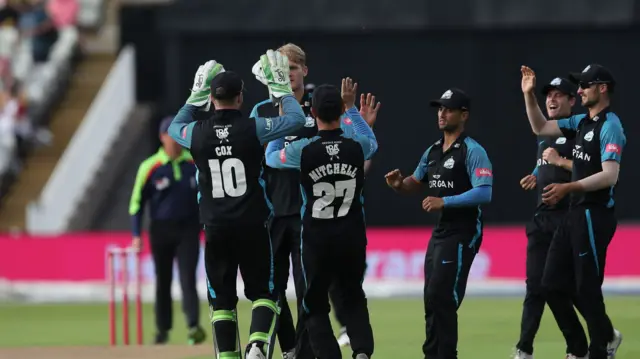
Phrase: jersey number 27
{"type": "Point", "coordinates": [322, 208]}
{"type": "Point", "coordinates": [222, 181]}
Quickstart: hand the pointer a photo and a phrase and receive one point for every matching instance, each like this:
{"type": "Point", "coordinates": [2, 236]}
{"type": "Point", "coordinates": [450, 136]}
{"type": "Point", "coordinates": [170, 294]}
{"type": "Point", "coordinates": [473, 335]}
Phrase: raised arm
{"type": "Point", "coordinates": [539, 123]}
{"type": "Point", "coordinates": [352, 122]}
{"type": "Point", "coordinates": [269, 129]}
{"type": "Point", "coordinates": [288, 157]}
{"type": "Point", "coordinates": [181, 128]}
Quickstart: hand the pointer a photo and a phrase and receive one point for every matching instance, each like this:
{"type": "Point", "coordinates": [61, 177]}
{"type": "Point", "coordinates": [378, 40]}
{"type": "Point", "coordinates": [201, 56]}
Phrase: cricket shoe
{"type": "Point", "coordinates": [613, 345]}
{"type": "Point", "coordinates": [289, 355]}
{"type": "Point", "coordinates": [362, 356]}
{"type": "Point", "coordinates": [522, 355]}
{"type": "Point", "coordinates": [161, 338]}
{"type": "Point", "coordinates": [343, 338]}
{"type": "Point", "coordinates": [571, 356]}
{"type": "Point", "coordinates": [255, 352]}
{"type": "Point", "coordinates": [196, 335]}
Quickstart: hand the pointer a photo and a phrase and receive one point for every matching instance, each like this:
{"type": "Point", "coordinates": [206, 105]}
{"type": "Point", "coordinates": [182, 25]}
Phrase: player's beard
{"type": "Point", "coordinates": [450, 128]}
{"type": "Point", "coordinates": [591, 102]}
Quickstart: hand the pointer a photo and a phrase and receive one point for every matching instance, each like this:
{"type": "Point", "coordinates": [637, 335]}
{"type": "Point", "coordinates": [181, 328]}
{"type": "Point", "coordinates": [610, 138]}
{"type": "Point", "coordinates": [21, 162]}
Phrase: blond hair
{"type": "Point", "coordinates": [294, 53]}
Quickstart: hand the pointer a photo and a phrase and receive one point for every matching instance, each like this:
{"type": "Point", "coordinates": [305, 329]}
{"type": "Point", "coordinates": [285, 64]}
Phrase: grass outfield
{"type": "Point", "coordinates": [489, 327]}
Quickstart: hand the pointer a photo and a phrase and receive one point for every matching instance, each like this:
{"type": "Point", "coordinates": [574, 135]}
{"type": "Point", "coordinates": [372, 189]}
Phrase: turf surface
{"type": "Point", "coordinates": [489, 327]}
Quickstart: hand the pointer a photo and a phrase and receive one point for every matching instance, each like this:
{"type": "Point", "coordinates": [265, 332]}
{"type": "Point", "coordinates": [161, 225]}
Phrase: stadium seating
{"type": "Point", "coordinates": [42, 84]}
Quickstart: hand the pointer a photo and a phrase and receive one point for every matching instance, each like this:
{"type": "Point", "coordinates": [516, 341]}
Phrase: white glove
{"type": "Point", "coordinates": [274, 72]}
{"type": "Point", "coordinates": [202, 84]}
{"type": "Point", "coordinates": [257, 71]}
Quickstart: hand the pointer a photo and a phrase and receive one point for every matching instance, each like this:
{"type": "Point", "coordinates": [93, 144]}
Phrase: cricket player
{"type": "Point", "coordinates": [576, 259]}
{"type": "Point", "coordinates": [167, 181]}
{"type": "Point", "coordinates": [228, 150]}
{"type": "Point", "coordinates": [283, 188]}
{"type": "Point", "coordinates": [554, 165]}
{"type": "Point", "coordinates": [333, 248]}
{"type": "Point", "coordinates": [459, 178]}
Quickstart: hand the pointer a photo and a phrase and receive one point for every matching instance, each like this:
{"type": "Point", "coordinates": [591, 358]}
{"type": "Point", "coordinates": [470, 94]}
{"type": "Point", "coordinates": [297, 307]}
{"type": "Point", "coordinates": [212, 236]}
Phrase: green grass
{"type": "Point", "coordinates": [489, 327]}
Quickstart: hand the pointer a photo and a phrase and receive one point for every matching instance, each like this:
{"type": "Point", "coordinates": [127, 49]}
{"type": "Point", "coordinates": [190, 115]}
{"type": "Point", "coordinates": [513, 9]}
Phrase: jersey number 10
{"type": "Point", "coordinates": [322, 208]}
{"type": "Point", "coordinates": [222, 181]}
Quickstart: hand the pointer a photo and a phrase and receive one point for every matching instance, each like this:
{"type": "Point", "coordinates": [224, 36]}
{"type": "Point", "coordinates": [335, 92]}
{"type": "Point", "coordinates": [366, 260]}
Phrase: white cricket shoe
{"type": "Point", "coordinates": [362, 356]}
{"type": "Point", "coordinates": [522, 355]}
{"type": "Point", "coordinates": [255, 352]}
{"type": "Point", "coordinates": [343, 338]}
{"type": "Point", "coordinates": [289, 355]}
{"type": "Point", "coordinates": [571, 356]}
{"type": "Point", "coordinates": [613, 345]}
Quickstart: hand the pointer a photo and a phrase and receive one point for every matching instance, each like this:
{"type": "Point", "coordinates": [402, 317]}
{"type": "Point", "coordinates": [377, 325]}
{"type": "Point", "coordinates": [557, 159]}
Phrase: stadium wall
{"type": "Point", "coordinates": [405, 69]}
{"type": "Point", "coordinates": [73, 267]}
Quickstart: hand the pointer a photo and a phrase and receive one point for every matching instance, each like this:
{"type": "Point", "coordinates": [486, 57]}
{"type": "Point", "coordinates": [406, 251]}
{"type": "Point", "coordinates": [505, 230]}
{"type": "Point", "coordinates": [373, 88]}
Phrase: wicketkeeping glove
{"type": "Point", "coordinates": [202, 84]}
{"type": "Point", "coordinates": [275, 72]}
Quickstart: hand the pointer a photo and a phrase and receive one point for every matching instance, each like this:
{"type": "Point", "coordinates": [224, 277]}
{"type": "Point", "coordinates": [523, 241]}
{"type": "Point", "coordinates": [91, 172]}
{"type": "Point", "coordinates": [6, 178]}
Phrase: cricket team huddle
{"type": "Point", "coordinates": [285, 183]}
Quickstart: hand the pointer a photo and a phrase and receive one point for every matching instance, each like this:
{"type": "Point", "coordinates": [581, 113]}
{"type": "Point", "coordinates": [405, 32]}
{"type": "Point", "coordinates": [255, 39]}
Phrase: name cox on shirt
{"type": "Point", "coordinates": [333, 169]}
{"type": "Point", "coordinates": [223, 150]}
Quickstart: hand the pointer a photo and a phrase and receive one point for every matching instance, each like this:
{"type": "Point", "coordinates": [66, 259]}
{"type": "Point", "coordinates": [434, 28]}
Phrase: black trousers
{"type": "Point", "coordinates": [286, 236]}
{"type": "Point", "coordinates": [575, 267]}
{"type": "Point", "coordinates": [172, 240]}
{"type": "Point", "coordinates": [248, 248]}
{"type": "Point", "coordinates": [540, 231]}
{"type": "Point", "coordinates": [447, 265]}
{"type": "Point", "coordinates": [338, 260]}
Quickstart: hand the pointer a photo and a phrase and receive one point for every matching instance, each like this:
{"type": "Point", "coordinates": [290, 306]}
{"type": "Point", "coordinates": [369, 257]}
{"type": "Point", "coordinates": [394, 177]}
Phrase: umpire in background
{"type": "Point", "coordinates": [167, 180]}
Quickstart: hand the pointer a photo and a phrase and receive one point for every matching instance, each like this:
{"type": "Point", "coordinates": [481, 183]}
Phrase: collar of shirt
{"type": "Point", "coordinates": [164, 157]}
{"type": "Point", "coordinates": [458, 141]}
{"type": "Point", "coordinates": [600, 115]}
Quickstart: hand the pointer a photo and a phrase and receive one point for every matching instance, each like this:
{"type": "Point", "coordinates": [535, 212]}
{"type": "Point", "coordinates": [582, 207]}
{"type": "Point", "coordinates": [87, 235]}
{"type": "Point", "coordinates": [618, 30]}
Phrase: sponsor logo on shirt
{"type": "Point", "coordinates": [612, 147]}
{"type": "Point", "coordinates": [283, 156]}
{"type": "Point", "coordinates": [347, 120]}
{"type": "Point", "coordinates": [483, 172]}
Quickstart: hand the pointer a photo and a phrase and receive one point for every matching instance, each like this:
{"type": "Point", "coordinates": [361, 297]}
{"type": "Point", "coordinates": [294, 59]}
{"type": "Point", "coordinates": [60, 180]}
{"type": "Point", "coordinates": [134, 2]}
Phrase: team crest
{"type": "Point", "coordinates": [222, 134]}
{"type": "Point", "coordinates": [561, 140]}
{"type": "Point", "coordinates": [589, 136]}
{"type": "Point", "coordinates": [333, 151]}
{"type": "Point", "coordinates": [448, 164]}
{"type": "Point", "coordinates": [310, 122]}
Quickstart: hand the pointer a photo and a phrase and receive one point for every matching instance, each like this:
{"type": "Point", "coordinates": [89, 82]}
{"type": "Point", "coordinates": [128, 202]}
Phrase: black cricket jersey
{"type": "Point", "coordinates": [331, 166]}
{"type": "Point", "coordinates": [597, 140]}
{"type": "Point", "coordinates": [463, 166]}
{"type": "Point", "coordinates": [228, 150]}
{"type": "Point", "coordinates": [547, 173]}
{"type": "Point", "coordinates": [283, 185]}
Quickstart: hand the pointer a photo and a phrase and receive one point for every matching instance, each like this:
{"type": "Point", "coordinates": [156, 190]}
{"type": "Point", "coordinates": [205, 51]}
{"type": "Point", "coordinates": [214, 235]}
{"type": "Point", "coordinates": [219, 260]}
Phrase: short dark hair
{"type": "Point", "coordinates": [327, 103]}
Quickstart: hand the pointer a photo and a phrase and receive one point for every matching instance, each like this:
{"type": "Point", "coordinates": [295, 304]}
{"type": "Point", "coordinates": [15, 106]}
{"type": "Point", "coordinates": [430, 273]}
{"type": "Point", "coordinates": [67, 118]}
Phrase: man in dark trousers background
{"type": "Point", "coordinates": [167, 181]}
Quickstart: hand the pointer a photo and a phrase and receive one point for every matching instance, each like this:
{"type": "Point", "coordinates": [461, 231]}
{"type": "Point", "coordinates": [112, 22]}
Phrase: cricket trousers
{"type": "Point", "coordinates": [447, 266]}
{"type": "Point", "coordinates": [285, 236]}
{"type": "Point", "coordinates": [575, 267]}
{"type": "Point", "coordinates": [540, 231]}
{"type": "Point", "coordinates": [338, 260]}
{"type": "Point", "coordinates": [171, 240]}
{"type": "Point", "coordinates": [247, 248]}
